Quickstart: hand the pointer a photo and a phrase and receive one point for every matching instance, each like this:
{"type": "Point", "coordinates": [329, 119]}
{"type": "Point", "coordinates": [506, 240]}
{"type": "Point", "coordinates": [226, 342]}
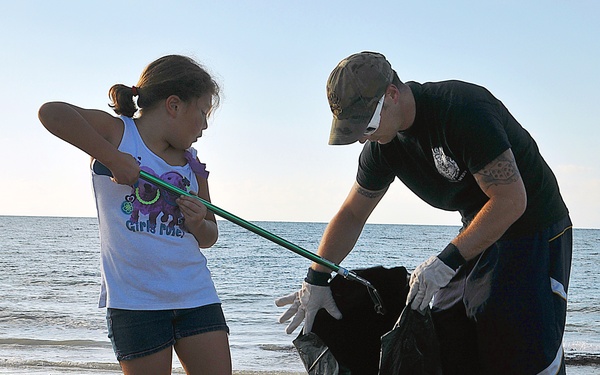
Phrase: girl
{"type": "Point", "coordinates": [155, 284]}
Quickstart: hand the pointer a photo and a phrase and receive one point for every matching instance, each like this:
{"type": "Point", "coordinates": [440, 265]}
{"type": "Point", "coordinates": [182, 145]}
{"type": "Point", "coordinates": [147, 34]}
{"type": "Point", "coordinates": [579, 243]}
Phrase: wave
{"type": "Point", "coordinates": [22, 363]}
{"type": "Point", "coordinates": [576, 347]}
{"type": "Point", "coordinates": [277, 348]}
{"type": "Point", "coordinates": [12, 319]}
{"type": "Point", "coordinates": [69, 343]}
{"type": "Point", "coordinates": [582, 359]}
{"type": "Point", "coordinates": [581, 308]}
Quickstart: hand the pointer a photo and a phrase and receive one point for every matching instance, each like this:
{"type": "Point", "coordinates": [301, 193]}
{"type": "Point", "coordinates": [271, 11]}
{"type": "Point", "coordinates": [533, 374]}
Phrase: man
{"type": "Point", "coordinates": [500, 286]}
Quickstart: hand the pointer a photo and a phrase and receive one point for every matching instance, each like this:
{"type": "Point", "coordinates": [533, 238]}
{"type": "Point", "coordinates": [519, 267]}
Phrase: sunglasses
{"type": "Point", "coordinates": [373, 125]}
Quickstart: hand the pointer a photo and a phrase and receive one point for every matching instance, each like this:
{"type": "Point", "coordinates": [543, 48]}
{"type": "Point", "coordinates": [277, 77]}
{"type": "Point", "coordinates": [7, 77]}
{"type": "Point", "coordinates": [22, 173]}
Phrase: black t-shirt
{"type": "Point", "coordinates": [459, 128]}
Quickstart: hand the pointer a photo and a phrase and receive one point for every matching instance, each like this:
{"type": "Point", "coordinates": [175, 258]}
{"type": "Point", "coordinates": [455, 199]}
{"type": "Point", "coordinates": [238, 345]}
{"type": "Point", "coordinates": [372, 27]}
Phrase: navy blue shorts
{"type": "Point", "coordinates": [504, 312]}
{"type": "Point", "coordinates": [138, 333]}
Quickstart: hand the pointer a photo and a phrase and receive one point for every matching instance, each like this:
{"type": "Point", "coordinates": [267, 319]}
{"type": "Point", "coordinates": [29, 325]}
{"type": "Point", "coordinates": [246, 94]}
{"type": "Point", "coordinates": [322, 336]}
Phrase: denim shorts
{"type": "Point", "coordinates": [138, 333]}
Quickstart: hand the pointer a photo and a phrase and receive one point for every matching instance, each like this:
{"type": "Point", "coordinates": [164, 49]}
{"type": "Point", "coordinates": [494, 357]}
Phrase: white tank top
{"type": "Point", "coordinates": [148, 260]}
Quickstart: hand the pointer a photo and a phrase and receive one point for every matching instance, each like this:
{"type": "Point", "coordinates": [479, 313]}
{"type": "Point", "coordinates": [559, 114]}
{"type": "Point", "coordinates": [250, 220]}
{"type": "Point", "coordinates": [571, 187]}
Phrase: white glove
{"type": "Point", "coordinates": [429, 277]}
{"type": "Point", "coordinates": [305, 304]}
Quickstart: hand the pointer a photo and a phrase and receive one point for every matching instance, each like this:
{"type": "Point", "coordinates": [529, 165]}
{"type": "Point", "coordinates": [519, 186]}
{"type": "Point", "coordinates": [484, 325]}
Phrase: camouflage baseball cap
{"type": "Point", "coordinates": [353, 89]}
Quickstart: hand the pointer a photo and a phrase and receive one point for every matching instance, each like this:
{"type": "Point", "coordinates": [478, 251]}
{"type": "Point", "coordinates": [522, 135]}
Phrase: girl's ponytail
{"type": "Point", "coordinates": [121, 98]}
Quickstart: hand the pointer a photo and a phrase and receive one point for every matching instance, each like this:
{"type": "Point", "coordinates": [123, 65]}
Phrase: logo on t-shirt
{"type": "Point", "coordinates": [153, 209]}
{"type": "Point", "coordinates": [446, 166]}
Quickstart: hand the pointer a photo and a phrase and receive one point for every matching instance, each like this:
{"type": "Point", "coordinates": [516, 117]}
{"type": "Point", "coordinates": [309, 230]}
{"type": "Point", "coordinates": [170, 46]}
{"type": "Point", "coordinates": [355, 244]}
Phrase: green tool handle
{"type": "Point", "coordinates": [247, 225]}
{"type": "Point", "coordinates": [274, 238]}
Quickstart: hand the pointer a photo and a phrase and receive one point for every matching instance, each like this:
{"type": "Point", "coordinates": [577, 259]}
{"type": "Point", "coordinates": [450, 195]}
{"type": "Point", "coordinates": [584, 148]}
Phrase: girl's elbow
{"type": "Point", "coordinates": [209, 236]}
{"type": "Point", "coordinates": [44, 112]}
{"type": "Point", "coordinates": [48, 114]}
{"type": "Point", "coordinates": [205, 244]}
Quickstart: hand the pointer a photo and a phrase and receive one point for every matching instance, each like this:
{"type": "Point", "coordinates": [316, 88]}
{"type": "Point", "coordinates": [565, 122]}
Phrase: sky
{"type": "Point", "coordinates": [266, 145]}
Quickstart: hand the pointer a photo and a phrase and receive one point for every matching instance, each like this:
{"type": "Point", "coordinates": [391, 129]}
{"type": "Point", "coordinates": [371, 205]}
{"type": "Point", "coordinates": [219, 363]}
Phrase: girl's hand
{"type": "Point", "coordinates": [198, 220]}
{"type": "Point", "coordinates": [125, 169]}
{"type": "Point", "coordinates": [194, 212]}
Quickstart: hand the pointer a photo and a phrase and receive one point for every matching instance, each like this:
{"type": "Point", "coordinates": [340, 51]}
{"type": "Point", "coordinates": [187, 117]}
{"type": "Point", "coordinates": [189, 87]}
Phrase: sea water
{"type": "Point", "coordinates": [49, 286]}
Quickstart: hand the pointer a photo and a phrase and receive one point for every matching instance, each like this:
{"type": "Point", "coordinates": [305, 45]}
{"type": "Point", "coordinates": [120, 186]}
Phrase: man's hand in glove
{"type": "Point", "coordinates": [432, 275]}
{"type": "Point", "coordinates": [306, 302]}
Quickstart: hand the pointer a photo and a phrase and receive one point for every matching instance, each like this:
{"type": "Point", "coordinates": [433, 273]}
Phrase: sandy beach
{"type": "Point", "coordinates": [54, 371]}
{"type": "Point", "coordinates": [571, 370]}
{"type": "Point", "coordinates": [61, 371]}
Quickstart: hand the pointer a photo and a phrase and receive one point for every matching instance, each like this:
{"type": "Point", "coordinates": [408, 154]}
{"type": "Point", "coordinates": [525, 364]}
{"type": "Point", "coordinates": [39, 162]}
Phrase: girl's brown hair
{"type": "Point", "coordinates": [169, 75]}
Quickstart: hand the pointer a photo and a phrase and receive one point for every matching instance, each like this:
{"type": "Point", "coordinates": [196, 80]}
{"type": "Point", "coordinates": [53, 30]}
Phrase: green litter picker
{"type": "Point", "coordinates": [274, 238]}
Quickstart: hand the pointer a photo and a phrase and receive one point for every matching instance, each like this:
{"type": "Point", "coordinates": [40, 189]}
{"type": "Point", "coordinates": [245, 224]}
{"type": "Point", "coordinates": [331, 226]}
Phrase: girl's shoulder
{"type": "Point", "coordinates": [109, 126]}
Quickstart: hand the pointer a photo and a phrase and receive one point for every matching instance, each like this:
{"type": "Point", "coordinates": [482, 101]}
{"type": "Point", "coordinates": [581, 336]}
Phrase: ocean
{"type": "Point", "coordinates": [49, 286]}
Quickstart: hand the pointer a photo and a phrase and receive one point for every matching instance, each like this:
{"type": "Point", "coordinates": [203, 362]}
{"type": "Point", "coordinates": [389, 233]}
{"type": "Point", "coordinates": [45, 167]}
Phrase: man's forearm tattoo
{"type": "Point", "coordinates": [368, 193]}
{"type": "Point", "coordinates": [502, 171]}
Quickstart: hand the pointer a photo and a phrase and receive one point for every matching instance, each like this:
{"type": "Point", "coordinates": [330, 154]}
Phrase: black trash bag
{"type": "Point", "coordinates": [412, 347]}
{"type": "Point", "coordinates": [355, 340]}
{"type": "Point", "coordinates": [315, 355]}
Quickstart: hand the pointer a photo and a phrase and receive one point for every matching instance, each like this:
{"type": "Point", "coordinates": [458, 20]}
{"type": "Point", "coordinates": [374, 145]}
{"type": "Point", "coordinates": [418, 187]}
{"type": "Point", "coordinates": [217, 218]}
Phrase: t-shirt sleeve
{"type": "Point", "coordinates": [478, 136]}
{"type": "Point", "coordinates": [373, 172]}
{"type": "Point", "coordinates": [191, 155]}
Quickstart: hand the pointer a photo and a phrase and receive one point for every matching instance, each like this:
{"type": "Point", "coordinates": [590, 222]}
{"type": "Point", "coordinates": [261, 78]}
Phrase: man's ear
{"type": "Point", "coordinates": [393, 92]}
{"type": "Point", "coordinates": [173, 105]}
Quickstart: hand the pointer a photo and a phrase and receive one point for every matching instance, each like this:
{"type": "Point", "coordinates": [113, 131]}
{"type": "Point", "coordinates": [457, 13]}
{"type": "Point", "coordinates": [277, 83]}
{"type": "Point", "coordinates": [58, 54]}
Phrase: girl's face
{"type": "Point", "coordinates": [194, 119]}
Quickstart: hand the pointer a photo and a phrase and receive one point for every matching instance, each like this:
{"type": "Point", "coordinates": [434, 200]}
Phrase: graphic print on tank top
{"type": "Point", "coordinates": [154, 209]}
